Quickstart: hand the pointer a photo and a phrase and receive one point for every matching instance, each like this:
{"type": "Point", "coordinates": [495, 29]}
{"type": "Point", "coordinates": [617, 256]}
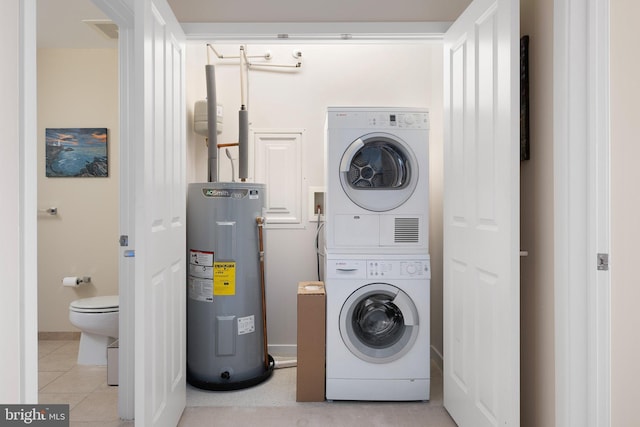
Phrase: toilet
{"type": "Point", "coordinates": [97, 318]}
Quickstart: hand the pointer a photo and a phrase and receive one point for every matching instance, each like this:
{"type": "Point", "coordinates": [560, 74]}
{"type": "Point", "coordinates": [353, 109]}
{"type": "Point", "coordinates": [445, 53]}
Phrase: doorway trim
{"type": "Point", "coordinates": [581, 212]}
{"type": "Point", "coordinates": [121, 13]}
{"type": "Point", "coordinates": [27, 312]}
{"type": "Point", "coordinates": [568, 16]}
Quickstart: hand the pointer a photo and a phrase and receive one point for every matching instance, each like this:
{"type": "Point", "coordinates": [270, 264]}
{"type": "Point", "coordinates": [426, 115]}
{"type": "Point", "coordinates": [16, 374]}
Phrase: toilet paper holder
{"type": "Point", "coordinates": [76, 281]}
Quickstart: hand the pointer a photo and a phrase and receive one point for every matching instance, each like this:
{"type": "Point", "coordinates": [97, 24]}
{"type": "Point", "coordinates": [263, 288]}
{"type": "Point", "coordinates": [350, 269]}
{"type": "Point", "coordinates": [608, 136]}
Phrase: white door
{"type": "Point", "coordinates": [481, 216]}
{"type": "Point", "coordinates": [160, 288]}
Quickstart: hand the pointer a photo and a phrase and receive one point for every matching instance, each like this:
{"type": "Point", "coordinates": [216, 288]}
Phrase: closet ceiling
{"type": "Point", "coordinates": [60, 22]}
{"type": "Point", "coordinates": [317, 11]}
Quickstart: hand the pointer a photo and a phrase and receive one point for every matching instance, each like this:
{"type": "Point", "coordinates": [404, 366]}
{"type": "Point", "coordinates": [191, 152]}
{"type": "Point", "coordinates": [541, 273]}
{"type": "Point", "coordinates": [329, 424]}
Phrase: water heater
{"type": "Point", "coordinates": [226, 338]}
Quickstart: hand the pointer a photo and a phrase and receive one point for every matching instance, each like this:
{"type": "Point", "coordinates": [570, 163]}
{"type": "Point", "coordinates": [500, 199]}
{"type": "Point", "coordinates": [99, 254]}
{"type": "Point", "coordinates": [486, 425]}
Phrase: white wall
{"type": "Point", "coordinates": [77, 88]}
{"type": "Point", "coordinates": [625, 205]}
{"type": "Point", "coordinates": [331, 75]}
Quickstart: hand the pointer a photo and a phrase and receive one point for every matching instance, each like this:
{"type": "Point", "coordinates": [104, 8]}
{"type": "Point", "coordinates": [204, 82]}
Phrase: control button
{"type": "Point", "coordinates": [408, 119]}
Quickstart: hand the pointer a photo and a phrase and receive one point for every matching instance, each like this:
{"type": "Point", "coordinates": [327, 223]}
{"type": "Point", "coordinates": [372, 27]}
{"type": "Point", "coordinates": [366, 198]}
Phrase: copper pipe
{"type": "Point", "coordinates": [230, 144]}
{"type": "Point", "coordinates": [260, 222]}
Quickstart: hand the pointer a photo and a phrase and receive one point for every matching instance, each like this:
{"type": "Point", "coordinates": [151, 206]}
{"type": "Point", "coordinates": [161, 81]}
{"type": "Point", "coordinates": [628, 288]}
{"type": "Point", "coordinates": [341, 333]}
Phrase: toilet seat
{"type": "Point", "coordinates": [104, 304]}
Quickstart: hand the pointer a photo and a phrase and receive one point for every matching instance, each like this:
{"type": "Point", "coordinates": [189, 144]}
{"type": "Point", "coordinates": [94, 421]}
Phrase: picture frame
{"type": "Point", "coordinates": [525, 149]}
{"type": "Point", "coordinates": [76, 152]}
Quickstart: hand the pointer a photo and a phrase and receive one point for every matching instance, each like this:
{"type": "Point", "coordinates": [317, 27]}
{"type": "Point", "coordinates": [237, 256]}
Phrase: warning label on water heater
{"type": "Point", "coordinates": [201, 258]}
{"type": "Point", "coordinates": [200, 283]}
{"type": "Point", "coordinates": [224, 278]}
{"type": "Point", "coordinates": [200, 289]}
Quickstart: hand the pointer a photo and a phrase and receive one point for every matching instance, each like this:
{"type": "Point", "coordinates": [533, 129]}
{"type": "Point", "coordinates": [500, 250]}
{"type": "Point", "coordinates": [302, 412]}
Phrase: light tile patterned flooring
{"type": "Point", "coordinates": [94, 403]}
{"type": "Point", "coordinates": [91, 401]}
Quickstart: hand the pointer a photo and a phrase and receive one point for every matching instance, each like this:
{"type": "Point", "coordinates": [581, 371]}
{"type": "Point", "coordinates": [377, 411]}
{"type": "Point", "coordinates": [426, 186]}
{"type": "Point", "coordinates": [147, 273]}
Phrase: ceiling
{"type": "Point", "coordinates": [317, 11]}
{"type": "Point", "coordinates": [60, 25]}
{"type": "Point", "coordinates": [60, 22]}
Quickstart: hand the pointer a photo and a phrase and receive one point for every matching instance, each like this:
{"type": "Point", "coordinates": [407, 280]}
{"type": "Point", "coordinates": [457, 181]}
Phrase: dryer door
{"type": "Point", "coordinates": [379, 323]}
{"type": "Point", "coordinates": [378, 172]}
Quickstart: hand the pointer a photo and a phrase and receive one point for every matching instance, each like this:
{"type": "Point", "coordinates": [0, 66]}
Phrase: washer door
{"type": "Point", "coordinates": [379, 323]}
{"type": "Point", "coordinates": [378, 162]}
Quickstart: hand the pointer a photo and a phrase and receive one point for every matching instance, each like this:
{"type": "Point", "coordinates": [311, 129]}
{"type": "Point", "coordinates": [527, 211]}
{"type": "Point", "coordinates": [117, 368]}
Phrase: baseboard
{"type": "Point", "coordinates": [283, 350]}
{"type": "Point", "coordinates": [59, 336]}
{"type": "Point", "coordinates": [436, 357]}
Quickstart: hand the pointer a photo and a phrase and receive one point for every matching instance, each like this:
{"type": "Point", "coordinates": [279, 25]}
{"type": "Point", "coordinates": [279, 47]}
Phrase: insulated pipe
{"type": "Point", "coordinates": [212, 125]}
{"type": "Point", "coordinates": [243, 143]}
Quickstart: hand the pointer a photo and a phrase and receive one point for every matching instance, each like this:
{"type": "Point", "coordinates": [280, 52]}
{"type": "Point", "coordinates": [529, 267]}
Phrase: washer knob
{"type": "Point", "coordinates": [408, 119]}
{"type": "Point", "coordinates": [411, 269]}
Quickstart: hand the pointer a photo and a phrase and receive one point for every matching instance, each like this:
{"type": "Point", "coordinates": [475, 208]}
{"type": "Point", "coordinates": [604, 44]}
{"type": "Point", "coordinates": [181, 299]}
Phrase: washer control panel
{"type": "Point", "coordinates": [409, 269]}
{"type": "Point", "coordinates": [378, 269]}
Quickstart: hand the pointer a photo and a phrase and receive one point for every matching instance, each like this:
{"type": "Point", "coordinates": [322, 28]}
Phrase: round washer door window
{"type": "Point", "coordinates": [378, 162]}
{"type": "Point", "coordinates": [379, 323]}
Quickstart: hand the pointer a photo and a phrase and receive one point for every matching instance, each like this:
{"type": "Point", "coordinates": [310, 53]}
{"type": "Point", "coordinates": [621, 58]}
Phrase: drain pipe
{"type": "Point", "coordinates": [285, 363]}
{"type": "Point", "coordinates": [212, 125]}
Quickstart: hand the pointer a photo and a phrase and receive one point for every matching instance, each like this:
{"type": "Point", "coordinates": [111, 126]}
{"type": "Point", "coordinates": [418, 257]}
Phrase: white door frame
{"type": "Point", "coordinates": [121, 13]}
{"type": "Point", "coordinates": [19, 306]}
{"type": "Point", "coordinates": [581, 204]}
{"type": "Point", "coordinates": [567, 16]}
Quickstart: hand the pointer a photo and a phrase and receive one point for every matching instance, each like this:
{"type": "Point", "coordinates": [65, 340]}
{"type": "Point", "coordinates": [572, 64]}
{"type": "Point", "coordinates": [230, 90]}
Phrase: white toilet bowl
{"type": "Point", "coordinates": [97, 318]}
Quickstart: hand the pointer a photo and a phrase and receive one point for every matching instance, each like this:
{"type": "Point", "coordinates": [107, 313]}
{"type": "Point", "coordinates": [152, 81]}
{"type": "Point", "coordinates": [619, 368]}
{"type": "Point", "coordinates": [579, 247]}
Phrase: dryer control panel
{"type": "Point", "coordinates": [378, 118]}
{"type": "Point", "coordinates": [398, 121]}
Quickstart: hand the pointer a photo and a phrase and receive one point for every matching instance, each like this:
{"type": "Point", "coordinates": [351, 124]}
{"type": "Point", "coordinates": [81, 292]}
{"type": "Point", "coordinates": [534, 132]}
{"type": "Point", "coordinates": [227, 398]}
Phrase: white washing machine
{"type": "Point", "coordinates": [377, 327]}
{"type": "Point", "coordinates": [377, 180]}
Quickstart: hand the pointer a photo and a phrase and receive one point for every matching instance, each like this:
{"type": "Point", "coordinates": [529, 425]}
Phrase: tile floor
{"type": "Point", "coordinates": [272, 403]}
{"type": "Point", "coordinates": [91, 401]}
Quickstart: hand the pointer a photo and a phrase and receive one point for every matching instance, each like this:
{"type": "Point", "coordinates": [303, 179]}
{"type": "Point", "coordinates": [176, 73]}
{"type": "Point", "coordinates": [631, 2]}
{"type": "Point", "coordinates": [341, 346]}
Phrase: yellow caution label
{"type": "Point", "coordinates": [224, 278]}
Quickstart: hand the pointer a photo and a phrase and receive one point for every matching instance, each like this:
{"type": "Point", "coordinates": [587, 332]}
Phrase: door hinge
{"type": "Point", "coordinates": [124, 240]}
{"type": "Point", "coordinates": [603, 262]}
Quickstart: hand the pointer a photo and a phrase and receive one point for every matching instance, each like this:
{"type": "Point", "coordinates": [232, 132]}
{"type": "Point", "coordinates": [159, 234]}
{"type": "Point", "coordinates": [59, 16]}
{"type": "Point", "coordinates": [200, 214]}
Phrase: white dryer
{"type": "Point", "coordinates": [377, 327]}
{"type": "Point", "coordinates": [377, 180]}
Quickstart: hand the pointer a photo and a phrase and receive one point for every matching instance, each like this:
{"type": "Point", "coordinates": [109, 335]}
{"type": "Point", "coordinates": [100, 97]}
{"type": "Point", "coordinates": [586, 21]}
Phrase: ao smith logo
{"type": "Point", "coordinates": [38, 414]}
{"type": "Point", "coordinates": [210, 192]}
{"type": "Point", "coordinates": [233, 194]}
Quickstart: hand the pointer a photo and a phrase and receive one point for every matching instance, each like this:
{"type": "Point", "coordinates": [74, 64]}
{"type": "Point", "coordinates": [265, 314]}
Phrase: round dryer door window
{"type": "Point", "coordinates": [378, 172]}
{"type": "Point", "coordinates": [379, 323]}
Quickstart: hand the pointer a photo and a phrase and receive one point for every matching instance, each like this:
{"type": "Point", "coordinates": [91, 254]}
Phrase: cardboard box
{"type": "Point", "coordinates": [310, 374]}
{"type": "Point", "coordinates": [112, 363]}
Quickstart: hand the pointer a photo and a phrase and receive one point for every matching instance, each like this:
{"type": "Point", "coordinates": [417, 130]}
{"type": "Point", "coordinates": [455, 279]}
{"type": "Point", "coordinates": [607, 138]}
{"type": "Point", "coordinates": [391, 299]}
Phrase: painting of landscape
{"type": "Point", "coordinates": [76, 152]}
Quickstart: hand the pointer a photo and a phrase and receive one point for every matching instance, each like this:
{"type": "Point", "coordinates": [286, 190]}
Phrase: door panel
{"type": "Point", "coordinates": [481, 216]}
{"type": "Point", "coordinates": [160, 340]}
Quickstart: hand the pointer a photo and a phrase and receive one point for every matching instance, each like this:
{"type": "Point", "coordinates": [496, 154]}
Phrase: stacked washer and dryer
{"type": "Point", "coordinates": [377, 266]}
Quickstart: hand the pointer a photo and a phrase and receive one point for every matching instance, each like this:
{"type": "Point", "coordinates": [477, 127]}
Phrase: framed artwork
{"type": "Point", "coordinates": [76, 152]}
{"type": "Point", "coordinates": [525, 153]}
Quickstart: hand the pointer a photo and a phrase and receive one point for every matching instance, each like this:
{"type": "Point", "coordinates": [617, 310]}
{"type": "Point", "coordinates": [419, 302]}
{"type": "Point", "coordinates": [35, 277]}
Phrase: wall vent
{"type": "Point", "coordinates": [407, 230]}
